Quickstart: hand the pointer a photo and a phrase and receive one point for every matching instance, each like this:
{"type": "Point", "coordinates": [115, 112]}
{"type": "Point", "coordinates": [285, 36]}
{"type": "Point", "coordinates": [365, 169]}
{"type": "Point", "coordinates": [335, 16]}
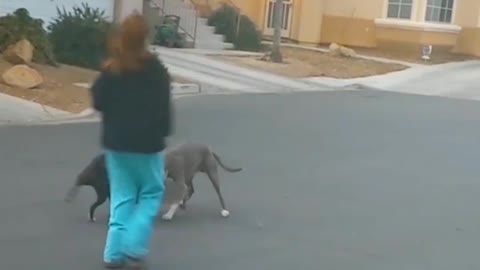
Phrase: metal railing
{"type": "Point", "coordinates": [181, 8]}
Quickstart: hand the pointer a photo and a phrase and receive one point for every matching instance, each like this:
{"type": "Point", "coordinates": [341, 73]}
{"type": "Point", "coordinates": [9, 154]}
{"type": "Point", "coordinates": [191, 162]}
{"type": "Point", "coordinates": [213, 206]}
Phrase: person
{"type": "Point", "coordinates": [132, 93]}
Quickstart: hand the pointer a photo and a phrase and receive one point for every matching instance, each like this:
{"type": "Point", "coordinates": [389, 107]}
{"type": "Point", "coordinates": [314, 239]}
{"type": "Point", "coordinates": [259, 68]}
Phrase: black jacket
{"type": "Point", "coordinates": [136, 108]}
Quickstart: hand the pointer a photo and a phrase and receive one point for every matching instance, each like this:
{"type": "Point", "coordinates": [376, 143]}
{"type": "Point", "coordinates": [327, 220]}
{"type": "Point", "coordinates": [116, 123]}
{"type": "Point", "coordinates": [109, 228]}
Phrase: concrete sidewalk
{"type": "Point", "coordinates": [227, 76]}
{"type": "Point", "coordinates": [13, 109]}
{"type": "Point", "coordinates": [454, 80]}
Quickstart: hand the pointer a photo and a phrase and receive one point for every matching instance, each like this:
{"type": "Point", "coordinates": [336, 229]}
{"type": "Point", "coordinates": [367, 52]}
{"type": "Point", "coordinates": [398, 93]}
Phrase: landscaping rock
{"type": "Point", "coordinates": [334, 49]}
{"type": "Point", "coordinates": [337, 50]}
{"type": "Point", "coordinates": [19, 53]}
{"type": "Point", "coordinates": [348, 52]}
{"type": "Point", "coordinates": [22, 76]}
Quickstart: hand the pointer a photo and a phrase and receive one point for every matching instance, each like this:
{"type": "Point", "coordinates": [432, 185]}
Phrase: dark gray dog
{"type": "Point", "coordinates": [181, 164]}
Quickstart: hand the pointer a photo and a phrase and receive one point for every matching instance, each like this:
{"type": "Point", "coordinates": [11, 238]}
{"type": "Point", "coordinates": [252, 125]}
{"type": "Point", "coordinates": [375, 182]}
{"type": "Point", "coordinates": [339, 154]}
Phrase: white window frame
{"type": "Point", "coordinates": [400, 4]}
{"type": "Point", "coordinates": [287, 15]}
{"type": "Point", "coordinates": [417, 22]}
{"type": "Point", "coordinates": [429, 5]}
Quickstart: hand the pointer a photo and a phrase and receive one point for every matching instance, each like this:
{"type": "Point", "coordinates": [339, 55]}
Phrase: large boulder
{"type": "Point", "coordinates": [22, 76]}
{"type": "Point", "coordinates": [338, 50]}
{"type": "Point", "coordinates": [19, 53]}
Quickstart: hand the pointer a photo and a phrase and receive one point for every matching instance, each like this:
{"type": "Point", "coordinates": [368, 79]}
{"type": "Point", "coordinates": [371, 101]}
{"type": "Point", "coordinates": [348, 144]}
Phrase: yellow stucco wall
{"type": "Point", "coordinates": [468, 41]}
{"type": "Point", "coordinates": [351, 22]}
{"type": "Point", "coordinates": [251, 8]}
{"type": "Point", "coordinates": [307, 20]}
{"type": "Point", "coordinates": [365, 9]}
{"type": "Point", "coordinates": [348, 31]}
{"type": "Point", "coordinates": [466, 13]}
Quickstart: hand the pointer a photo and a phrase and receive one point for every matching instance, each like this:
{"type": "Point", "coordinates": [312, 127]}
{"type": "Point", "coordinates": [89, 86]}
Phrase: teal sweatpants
{"type": "Point", "coordinates": [136, 191]}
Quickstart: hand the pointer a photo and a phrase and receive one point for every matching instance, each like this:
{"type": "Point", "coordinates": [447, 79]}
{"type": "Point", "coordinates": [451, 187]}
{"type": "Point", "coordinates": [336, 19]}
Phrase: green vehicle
{"type": "Point", "coordinates": [168, 35]}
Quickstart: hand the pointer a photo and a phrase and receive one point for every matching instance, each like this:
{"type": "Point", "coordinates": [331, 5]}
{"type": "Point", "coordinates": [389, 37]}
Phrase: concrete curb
{"type": "Point", "coordinates": [91, 116]}
{"type": "Point", "coordinates": [33, 105]}
{"type": "Point", "coordinates": [88, 115]}
{"type": "Point", "coordinates": [361, 56]}
{"type": "Point", "coordinates": [186, 88]}
{"type": "Point", "coordinates": [393, 78]}
{"type": "Point", "coordinates": [365, 57]}
{"type": "Point", "coordinates": [219, 52]}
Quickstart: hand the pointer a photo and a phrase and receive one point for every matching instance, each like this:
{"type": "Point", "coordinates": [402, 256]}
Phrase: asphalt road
{"type": "Point", "coordinates": [332, 181]}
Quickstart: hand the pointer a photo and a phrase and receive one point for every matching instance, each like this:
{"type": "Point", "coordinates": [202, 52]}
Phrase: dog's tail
{"type": "Point", "coordinates": [226, 168]}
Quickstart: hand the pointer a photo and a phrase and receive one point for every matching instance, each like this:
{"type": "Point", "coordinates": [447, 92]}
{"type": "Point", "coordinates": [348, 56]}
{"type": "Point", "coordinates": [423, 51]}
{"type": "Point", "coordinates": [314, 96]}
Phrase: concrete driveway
{"type": "Point", "coordinates": [360, 180]}
{"type": "Point", "coordinates": [454, 80]}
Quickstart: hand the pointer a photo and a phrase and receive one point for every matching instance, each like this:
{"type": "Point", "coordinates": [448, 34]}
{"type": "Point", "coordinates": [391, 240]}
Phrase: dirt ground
{"type": "Point", "coordinates": [58, 89]}
{"type": "Point", "coordinates": [300, 63]}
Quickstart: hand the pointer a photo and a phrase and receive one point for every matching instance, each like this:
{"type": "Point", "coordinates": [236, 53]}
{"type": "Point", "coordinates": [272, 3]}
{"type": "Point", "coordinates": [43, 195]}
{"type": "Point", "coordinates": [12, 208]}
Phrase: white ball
{"type": "Point", "coordinates": [225, 213]}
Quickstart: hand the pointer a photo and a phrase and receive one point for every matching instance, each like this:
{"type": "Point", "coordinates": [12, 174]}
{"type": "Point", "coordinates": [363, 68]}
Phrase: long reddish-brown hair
{"type": "Point", "coordinates": [127, 45]}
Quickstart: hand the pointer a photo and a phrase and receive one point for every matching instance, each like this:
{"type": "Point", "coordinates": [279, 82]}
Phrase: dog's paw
{"type": "Point", "coordinates": [183, 205]}
{"type": "Point", "coordinates": [91, 219]}
{"type": "Point", "coordinates": [167, 217]}
{"type": "Point", "coordinates": [225, 213]}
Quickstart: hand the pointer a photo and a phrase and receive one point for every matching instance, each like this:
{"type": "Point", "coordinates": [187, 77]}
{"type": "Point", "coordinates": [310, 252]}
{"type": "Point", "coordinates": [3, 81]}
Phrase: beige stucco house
{"type": "Point", "coordinates": [403, 24]}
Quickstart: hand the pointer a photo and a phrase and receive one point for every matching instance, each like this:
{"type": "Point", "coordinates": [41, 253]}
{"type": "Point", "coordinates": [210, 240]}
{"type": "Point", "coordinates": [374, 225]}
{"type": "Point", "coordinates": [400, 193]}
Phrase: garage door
{"type": "Point", "coordinates": [47, 9]}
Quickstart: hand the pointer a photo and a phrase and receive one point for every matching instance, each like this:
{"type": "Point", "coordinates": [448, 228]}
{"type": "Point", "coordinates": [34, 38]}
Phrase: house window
{"type": "Point", "coordinates": [286, 14]}
{"type": "Point", "coordinates": [439, 11]}
{"type": "Point", "coordinates": [399, 9]}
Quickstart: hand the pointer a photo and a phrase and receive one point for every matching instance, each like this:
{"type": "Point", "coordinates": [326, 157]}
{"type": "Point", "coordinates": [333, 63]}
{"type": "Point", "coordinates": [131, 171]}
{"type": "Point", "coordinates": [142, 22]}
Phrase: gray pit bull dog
{"type": "Point", "coordinates": [182, 163]}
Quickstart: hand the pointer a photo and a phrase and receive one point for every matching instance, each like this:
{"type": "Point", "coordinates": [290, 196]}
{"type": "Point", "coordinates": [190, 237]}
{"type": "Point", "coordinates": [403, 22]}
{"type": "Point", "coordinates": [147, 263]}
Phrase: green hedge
{"type": "Point", "coordinates": [225, 20]}
{"type": "Point", "coordinates": [19, 25]}
{"type": "Point", "coordinates": [79, 37]}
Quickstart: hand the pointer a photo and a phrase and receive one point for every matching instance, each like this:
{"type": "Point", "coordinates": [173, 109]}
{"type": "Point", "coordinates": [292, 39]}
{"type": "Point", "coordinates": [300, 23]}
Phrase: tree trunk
{"type": "Point", "coordinates": [277, 34]}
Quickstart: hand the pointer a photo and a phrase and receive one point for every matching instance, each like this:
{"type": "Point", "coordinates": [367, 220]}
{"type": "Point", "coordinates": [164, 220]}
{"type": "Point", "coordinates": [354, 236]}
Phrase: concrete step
{"type": "Point", "coordinates": [202, 21]}
{"type": "Point", "coordinates": [211, 37]}
{"type": "Point", "coordinates": [201, 28]}
{"type": "Point", "coordinates": [207, 45]}
{"type": "Point", "coordinates": [205, 34]}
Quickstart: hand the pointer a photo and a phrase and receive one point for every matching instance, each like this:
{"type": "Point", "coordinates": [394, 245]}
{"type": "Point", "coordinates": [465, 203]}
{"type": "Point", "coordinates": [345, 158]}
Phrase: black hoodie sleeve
{"type": "Point", "coordinates": [97, 92]}
{"type": "Point", "coordinates": [166, 106]}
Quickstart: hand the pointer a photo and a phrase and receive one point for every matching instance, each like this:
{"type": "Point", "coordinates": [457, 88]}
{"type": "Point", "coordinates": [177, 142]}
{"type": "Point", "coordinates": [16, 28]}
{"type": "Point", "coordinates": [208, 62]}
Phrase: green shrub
{"type": "Point", "coordinates": [80, 37]}
{"type": "Point", "coordinates": [225, 20]}
{"type": "Point", "coordinates": [19, 25]}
